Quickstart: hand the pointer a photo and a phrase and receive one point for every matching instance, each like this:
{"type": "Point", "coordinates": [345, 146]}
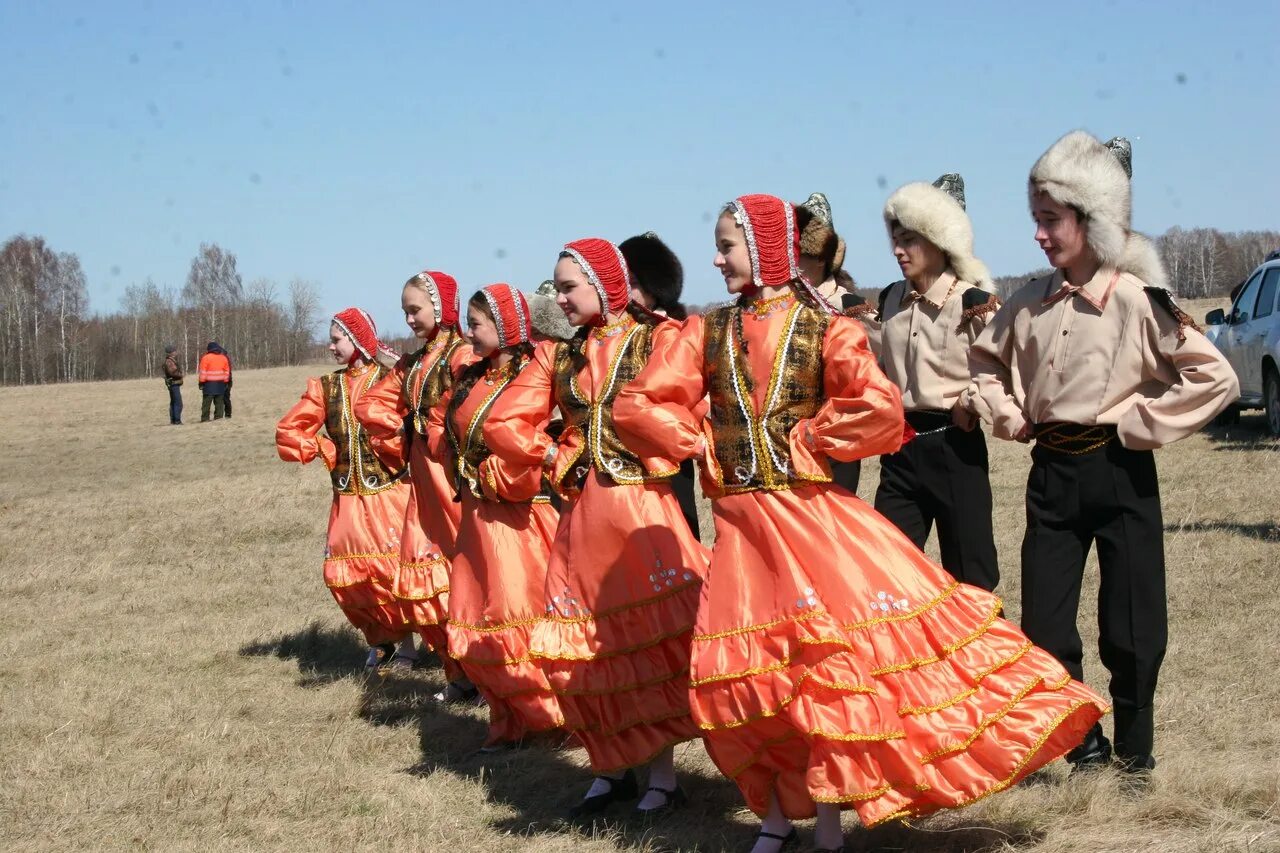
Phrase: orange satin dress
{"type": "Point", "coordinates": [362, 550]}
{"type": "Point", "coordinates": [833, 662]}
{"type": "Point", "coordinates": [498, 576]}
{"type": "Point", "coordinates": [393, 409]}
{"type": "Point", "coordinates": [623, 579]}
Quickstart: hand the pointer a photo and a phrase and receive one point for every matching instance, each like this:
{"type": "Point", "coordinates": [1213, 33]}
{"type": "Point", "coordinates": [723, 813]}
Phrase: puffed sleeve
{"type": "Point", "coordinates": [1199, 382]}
{"type": "Point", "coordinates": [660, 412]}
{"type": "Point", "coordinates": [514, 429]}
{"type": "Point", "coordinates": [298, 436]}
{"type": "Point", "coordinates": [861, 414]}
{"type": "Point", "coordinates": [990, 358]}
{"type": "Point", "coordinates": [381, 411]}
{"type": "Point", "coordinates": [501, 480]}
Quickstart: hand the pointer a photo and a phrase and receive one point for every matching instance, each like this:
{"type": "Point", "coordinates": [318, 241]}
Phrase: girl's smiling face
{"type": "Point", "coordinates": [575, 294]}
{"type": "Point", "coordinates": [419, 313]}
{"type": "Point", "coordinates": [733, 258]}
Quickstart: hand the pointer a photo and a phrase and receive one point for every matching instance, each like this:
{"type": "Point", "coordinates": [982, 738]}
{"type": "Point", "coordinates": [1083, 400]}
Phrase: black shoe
{"type": "Point", "coordinates": [626, 788]}
{"type": "Point", "coordinates": [455, 692]}
{"type": "Point", "coordinates": [1135, 771]}
{"type": "Point", "coordinates": [787, 840]}
{"type": "Point", "coordinates": [1093, 754]}
{"type": "Point", "coordinates": [673, 799]}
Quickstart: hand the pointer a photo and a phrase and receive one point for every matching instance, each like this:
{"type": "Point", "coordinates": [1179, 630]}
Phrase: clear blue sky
{"type": "Point", "coordinates": [353, 144]}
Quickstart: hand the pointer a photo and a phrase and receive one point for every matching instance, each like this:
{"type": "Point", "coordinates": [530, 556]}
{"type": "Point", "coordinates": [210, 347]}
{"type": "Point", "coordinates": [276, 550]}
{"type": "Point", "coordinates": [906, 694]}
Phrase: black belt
{"type": "Point", "coordinates": [1074, 439]}
{"type": "Point", "coordinates": [925, 421]}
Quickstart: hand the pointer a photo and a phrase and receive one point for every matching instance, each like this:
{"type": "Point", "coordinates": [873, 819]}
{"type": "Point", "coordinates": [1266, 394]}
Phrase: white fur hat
{"type": "Point", "coordinates": [938, 215]}
{"type": "Point", "coordinates": [1094, 177]}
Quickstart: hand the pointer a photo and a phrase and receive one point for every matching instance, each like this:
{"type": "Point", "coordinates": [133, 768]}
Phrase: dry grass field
{"type": "Point", "coordinates": [174, 675]}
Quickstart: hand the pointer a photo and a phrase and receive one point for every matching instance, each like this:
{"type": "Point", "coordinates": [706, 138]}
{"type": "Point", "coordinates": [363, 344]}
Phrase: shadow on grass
{"type": "Point", "coordinates": [1264, 531]}
{"type": "Point", "coordinates": [539, 783]}
{"type": "Point", "coordinates": [976, 837]}
{"type": "Point", "coordinates": [323, 654]}
{"type": "Point", "coordinates": [1246, 433]}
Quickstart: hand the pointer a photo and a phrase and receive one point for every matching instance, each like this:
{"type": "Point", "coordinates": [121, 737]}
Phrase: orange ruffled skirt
{"type": "Point", "coordinates": [422, 580]}
{"type": "Point", "coordinates": [361, 555]}
{"type": "Point", "coordinates": [496, 589]}
{"type": "Point", "coordinates": [833, 662]}
{"type": "Point", "coordinates": [621, 597]}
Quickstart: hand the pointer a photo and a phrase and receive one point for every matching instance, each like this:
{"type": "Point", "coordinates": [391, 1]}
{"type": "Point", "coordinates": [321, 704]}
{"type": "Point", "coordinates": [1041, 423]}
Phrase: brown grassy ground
{"type": "Point", "coordinates": [174, 676]}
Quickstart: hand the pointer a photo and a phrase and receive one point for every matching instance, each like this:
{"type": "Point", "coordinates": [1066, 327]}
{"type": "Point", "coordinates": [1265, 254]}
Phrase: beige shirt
{"type": "Point", "coordinates": [1105, 353]}
{"type": "Point", "coordinates": [924, 344]}
{"type": "Point", "coordinates": [834, 294]}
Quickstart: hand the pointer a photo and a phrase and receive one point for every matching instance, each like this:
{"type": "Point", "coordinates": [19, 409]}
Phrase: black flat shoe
{"type": "Point", "coordinates": [787, 840]}
{"type": "Point", "coordinates": [626, 788]}
{"type": "Point", "coordinates": [672, 800]}
{"type": "Point", "coordinates": [455, 692]}
{"type": "Point", "coordinates": [1091, 755]}
{"type": "Point", "coordinates": [1135, 772]}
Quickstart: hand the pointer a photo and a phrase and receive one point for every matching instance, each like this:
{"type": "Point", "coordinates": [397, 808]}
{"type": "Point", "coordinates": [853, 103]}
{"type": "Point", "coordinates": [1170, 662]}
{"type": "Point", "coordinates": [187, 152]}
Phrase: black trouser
{"type": "Point", "coordinates": [1110, 496]}
{"type": "Point", "coordinates": [847, 474]}
{"type": "Point", "coordinates": [226, 401]}
{"type": "Point", "coordinates": [682, 485]}
{"type": "Point", "coordinates": [942, 477]}
{"type": "Point", "coordinates": [175, 404]}
{"type": "Point", "coordinates": [218, 401]}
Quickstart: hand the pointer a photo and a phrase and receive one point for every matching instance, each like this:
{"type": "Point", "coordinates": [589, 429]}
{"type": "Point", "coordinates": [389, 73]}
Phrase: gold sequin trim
{"type": "Point", "coordinates": [578, 620]}
{"type": "Point", "coordinates": [929, 709]}
{"type": "Point", "coordinates": [764, 626]}
{"type": "Point", "coordinates": [910, 614]}
{"type": "Point", "coordinates": [1008, 780]}
{"type": "Point", "coordinates": [369, 556]}
{"type": "Point", "coordinates": [988, 722]}
{"type": "Point", "coordinates": [773, 712]}
{"type": "Point", "coordinates": [950, 648]}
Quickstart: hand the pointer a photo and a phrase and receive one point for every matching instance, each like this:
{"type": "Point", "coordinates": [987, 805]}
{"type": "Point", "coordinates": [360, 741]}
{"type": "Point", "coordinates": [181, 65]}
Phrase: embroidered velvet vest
{"type": "Point", "coordinates": [469, 448]}
{"type": "Point", "coordinates": [424, 385]}
{"type": "Point", "coordinates": [594, 418]}
{"type": "Point", "coordinates": [753, 448]}
{"type": "Point", "coordinates": [358, 471]}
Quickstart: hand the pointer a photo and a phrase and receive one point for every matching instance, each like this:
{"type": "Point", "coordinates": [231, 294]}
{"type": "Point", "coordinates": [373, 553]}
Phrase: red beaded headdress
{"type": "Point", "coordinates": [442, 288]}
{"type": "Point", "coordinates": [606, 269]}
{"type": "Point", "coordinates": [357, 325]}
{"type": "Point", "coordinates": [510, 313]}
{"type": "Point", "coordinates": [773, 241]}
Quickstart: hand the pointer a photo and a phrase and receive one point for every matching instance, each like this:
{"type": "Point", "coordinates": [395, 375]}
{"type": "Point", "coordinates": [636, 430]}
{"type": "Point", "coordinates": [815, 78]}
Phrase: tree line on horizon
{"type": "Point", "coordinates": [49, 334]}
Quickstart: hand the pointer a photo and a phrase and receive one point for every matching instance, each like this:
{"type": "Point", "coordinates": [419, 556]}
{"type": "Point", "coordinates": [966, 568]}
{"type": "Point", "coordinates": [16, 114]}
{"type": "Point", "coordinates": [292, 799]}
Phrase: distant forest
{"type": "Point", "coordinates": [49, 334]}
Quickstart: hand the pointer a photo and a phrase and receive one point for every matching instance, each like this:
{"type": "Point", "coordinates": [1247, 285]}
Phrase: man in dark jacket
{"type": "Point", "coordinates": [173, 381]}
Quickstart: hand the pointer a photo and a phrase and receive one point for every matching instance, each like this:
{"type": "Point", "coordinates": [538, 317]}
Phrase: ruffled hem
{"type": "Point", "coordinates": [636, 745]}
{"type": "Point", "coordinates": [625, 706]}
{"type": "Point", "coordinates": [422, 589]}
{"type": "Point", "coordinates": [928, 701]}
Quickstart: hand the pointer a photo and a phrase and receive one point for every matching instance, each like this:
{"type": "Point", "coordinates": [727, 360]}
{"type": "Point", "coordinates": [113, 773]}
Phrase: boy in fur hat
{"type": "Point", "coordinates": [928, 322]}
{"type": "Point", "coordinates": [1098, 366]}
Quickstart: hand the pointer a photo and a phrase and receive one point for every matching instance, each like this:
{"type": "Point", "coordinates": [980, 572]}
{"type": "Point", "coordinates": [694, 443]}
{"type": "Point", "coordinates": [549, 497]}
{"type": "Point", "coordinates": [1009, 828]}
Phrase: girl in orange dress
{"type": "Point", "coordinates": [369, 493]}
{"type": "Point", "coordinates": [498, 577]}
{"type": "Point", "coordinates": [625, 571]}
{"type": "Point", "coordinates": [834, 666]}
{"type": "Point", "coordinates": [396, 410]}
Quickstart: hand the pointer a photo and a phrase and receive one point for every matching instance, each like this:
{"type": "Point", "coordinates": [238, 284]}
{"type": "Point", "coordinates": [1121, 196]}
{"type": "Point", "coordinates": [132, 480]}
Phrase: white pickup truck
{"type": "Point", "coordinates": [1249, 336]}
